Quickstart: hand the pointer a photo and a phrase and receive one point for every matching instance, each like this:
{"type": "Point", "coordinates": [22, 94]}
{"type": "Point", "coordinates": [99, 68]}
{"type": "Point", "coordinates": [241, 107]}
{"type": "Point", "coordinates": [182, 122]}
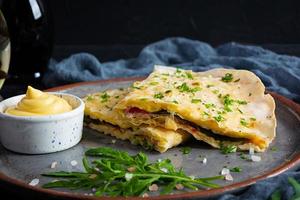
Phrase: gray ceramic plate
{"type": "Point", "coordinates": [19, 170]}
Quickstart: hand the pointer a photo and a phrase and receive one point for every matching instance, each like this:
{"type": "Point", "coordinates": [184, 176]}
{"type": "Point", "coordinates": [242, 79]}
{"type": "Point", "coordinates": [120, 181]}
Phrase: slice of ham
{"type": "Point", "coordinates": [135, 110]}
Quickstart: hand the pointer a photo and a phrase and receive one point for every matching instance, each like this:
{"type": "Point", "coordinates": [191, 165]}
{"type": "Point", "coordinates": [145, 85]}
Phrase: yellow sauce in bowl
{"type": "Point", "coordinates": [37, 102]}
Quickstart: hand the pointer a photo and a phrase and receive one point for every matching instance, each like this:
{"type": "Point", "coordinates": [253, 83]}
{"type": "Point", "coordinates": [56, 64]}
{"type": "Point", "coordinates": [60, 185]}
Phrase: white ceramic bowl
{"type": "Point", "coordinates": [41, 134]}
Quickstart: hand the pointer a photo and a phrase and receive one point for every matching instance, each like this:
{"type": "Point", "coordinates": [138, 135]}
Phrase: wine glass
{"type": "Point", "coordinates": [4, 50]}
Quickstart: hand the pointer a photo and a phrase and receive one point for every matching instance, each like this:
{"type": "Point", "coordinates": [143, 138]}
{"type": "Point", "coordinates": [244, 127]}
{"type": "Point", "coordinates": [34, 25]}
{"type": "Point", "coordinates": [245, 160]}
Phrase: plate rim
{"type": "Point", "coordinates": [193, 194]}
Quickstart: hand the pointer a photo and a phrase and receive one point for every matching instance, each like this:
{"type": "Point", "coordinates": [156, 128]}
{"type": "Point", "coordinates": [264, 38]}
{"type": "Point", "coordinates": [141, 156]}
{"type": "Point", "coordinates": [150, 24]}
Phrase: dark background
{"type": "Point", "coordinates": [119, 28]}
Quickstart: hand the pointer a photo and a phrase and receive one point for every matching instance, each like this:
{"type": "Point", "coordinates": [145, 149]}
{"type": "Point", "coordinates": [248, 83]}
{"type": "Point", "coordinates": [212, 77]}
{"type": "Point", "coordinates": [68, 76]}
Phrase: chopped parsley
{"type": "Point", "coordinates": [90, 98]}
{"type": "Point", "coordinates": [178, 70]}
{"type": "Point", "coordinates": [209, 105]}
{"type": "Point", "coordinates": [219, 118]}
{"type": "Point", "coordinates": [252, 118]}
{"type": "Point", "coordinates": [228, 148]}
{"type": "Point", "coordinates": [196, 89]}
{"type": "Point", "coordinates": [189, 75]}
{"type": "Point", "coordinates": [186, 150]}
{"type": "Point", "coordinates": [183, 87]}
{"type": "Point", "coordinates": [174, 101]}
{"type": "Point", "coordinates": [274, 148]}
{"type": "Point", "coordinates": [196, 101]}
{"type": "Point", "coordinates": [243, 122]}
{"type": "Point", "coordinates": [116, 97]}
{"type": "Point", "coordinates": [236, 169]}
{"type": "Point", "coordinates": [158, 95]}
{"type": "Point", "coordinates": [104, 97]}
{"type": "Point", "coordinates": [154, 83]}
{"type": "Point", "coordinates": [241, 102]}
{"type": "Point", "coordinates": [227, 78]}
{"type": "Point", "coordinates": [215, 91]}
{"type": "Point", "coordinates": [135, 87]}
{"type": "Point", "coordinates": [240, 111]}
{"type": "Point", "coordinates": [205, 113]}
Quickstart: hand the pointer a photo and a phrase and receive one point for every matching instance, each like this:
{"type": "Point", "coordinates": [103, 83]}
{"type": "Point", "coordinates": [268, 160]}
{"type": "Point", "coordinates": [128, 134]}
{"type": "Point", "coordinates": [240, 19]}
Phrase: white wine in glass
{"type": "Point", "coordinates": [4, 49]}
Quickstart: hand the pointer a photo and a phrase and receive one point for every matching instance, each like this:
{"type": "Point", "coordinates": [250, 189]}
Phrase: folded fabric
{"type": "Point", "coordinates": [280, 73]}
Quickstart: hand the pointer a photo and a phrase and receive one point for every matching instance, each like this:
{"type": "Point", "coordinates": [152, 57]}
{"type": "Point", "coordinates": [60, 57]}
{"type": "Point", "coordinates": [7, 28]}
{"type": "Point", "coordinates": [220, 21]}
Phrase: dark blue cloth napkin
{"type": "Point", "coordinates": [280, 73]}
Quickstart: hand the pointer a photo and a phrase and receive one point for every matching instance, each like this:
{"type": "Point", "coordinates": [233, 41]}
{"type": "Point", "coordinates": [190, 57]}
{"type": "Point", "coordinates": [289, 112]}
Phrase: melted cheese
{"type": "Point", "coordinates": [228, 102]}
{"type": "Point", "coordinates": [100, 106]}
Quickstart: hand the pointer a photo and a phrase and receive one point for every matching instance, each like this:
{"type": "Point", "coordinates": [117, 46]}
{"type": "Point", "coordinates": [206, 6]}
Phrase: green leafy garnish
{"type": "Point", "coordinates": [183, 87]}
{"type": "Point", "coordinates": [196, 101]}
{"type": "Point", "coordinates": [241, 102]}
{"type": "Point", "coordinates": [226, 149]}
{"type": "Point", "coordinates": [276, 195]}
{"type": "Point", "coordinates": [227, 78]}
{"type": "Point", "coordinates": [243, 122]}
{"type": "Point", "coordinates": [209, 105]}
{"type": "Point", "coordinates": [90, 98]}
{"type": "Point", "coordinates": [274, 148]}
{"type": "Point", "coordinates": [296, 187]}
{"type": "Point", "coordinates": [186, 150]}
{"type": "Point", "coordinates": [219, 118]}
{"type": "Point", "coordinates": [174, 101]}
{"type": "Point", "coordinates": [168, 91]}
{"type": "Point", "coordinates": [104, 97]}
{"type": "Point", "coordinates": [236, 169]}
{"type": "Point", "coordinates": [158, 95]}
{"type": "Point", "coordinates": [109, 175]}
{"type": "Point", "coordinates": [189, 75]}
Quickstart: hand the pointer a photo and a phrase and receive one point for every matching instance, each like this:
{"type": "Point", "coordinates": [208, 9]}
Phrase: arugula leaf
{"type": "Point", "coordinates": [296, 187]}
{"type": "Point", "coordinates": [108, 173]}
{"type": "Point", "coordinates": [276, 195]}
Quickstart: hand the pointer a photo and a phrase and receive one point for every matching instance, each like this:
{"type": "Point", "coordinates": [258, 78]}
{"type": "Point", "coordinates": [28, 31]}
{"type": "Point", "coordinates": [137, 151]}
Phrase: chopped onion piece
{"type": "Point", "coordinates": [225, 171]}
{"type": "Point", "coordinates": [228, 177]}
{"type": "Point", "coordinates": [34, 182]}
{"type": "Point", "coordinates": [255, 158]}
{"type": "Point", "coordinates": [53, 165]}
{"type": "Point", "coordinates": [204, 161]}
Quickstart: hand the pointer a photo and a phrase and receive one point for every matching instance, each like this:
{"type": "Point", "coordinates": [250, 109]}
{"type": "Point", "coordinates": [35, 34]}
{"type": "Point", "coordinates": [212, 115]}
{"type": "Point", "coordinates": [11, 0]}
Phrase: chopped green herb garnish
{"type": "Point", "coordinates": [135, 87]}
{"type": "Point", "coordinates": [178, 70]}
{"type": "Point", "coordinates": [158, 95]}
{"type": "Point", "coordinates": [243, 122]}
{"type": "Point", "coordinates": [228, 148]}
{"type": "Point", "coordinates": [215, 91]}
{"type": "Point", "coordinates": [104, 97]}
{"type": "Point", "coordinates": [154, 83]}
{"type": "Point", "coordinates": [227, 78]}
{"type": "Point", "coordinates": [236, 169]}
{"type": "Point", "coordinates": [209, 105]}
{"type": "Point", "coordinates": [165, 74]}
{"type": "Point", "coordinates": [168, 91]}
{"type": "Point", "coordinates": [189, 75]}
{"type": "Point", "coordinates": [274, 149]}
{"type": "Point", "coordinates": [252, 118]}
{"type": "Point", "coordinates": [240, 111]}
{"type": "Point", "coordinates": [241, 102]}
{"type": "Point", "coordinates": [209, 85]}
{"type": "Point", "coordinates": [219, 118]}
{"type": "Point", "coordinates": [196, 101]}
{"type": "Point", "coordinates": [90, 98]}
{"type": "Point", "coordinates": [195, 89]}
{"type": "Point", "coordinates": [220, 95]}
{"type": "Point", "coordinates": [174, 101]}
{"type": "Point", "coordinates": [243, 156]}
{"type": "Point", "coordinates": [186, 150]}
{"type": "Point", "coordinates": [205, 113]}
{"type": "Point", "coordinates": [183, 87]}
{"type": "Point", "coordinates": [110, 176]}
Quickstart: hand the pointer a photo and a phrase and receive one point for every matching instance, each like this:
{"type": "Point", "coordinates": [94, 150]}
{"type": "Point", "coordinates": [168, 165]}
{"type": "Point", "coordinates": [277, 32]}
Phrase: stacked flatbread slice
{"type": "Point", "coordinates": [219, 107]}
